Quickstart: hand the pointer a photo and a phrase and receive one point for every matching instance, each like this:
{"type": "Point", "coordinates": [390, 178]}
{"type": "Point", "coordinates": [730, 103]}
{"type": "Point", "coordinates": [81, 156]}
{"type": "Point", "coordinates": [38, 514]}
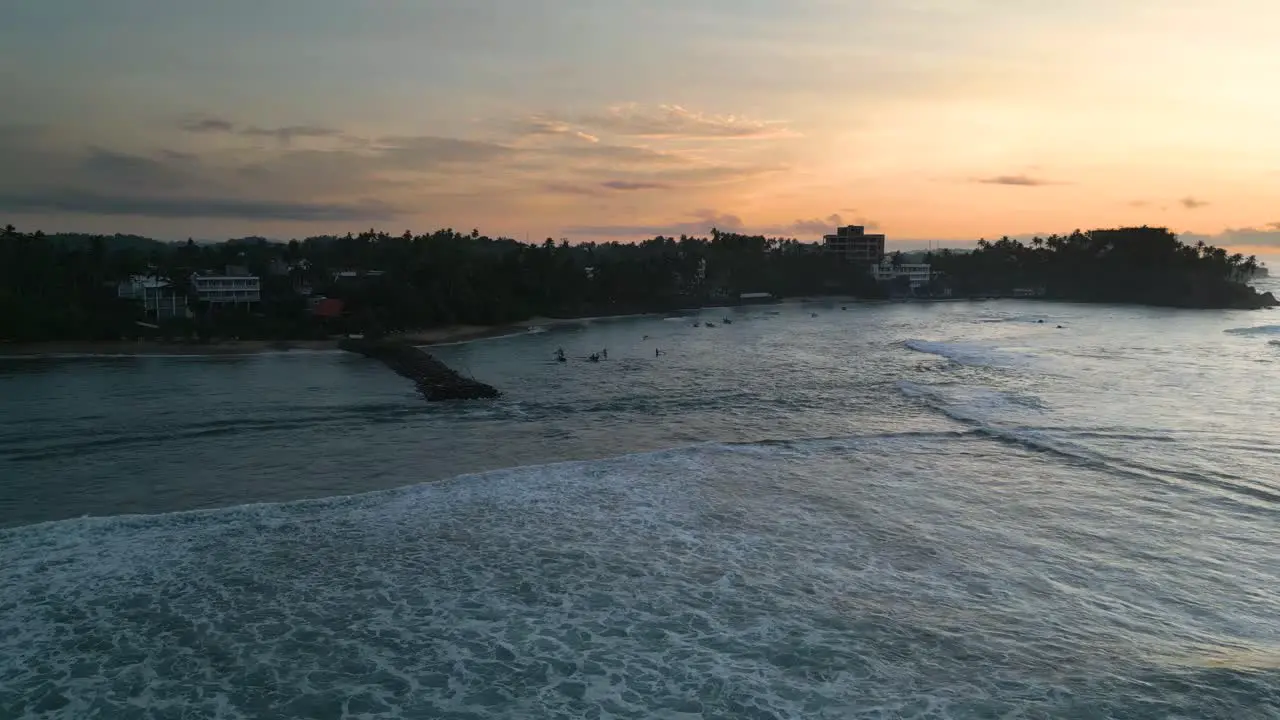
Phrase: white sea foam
{"type": "Point", "coordinates": [1038, 554]}
{"type": "Point", "coordinates": [799, 579]}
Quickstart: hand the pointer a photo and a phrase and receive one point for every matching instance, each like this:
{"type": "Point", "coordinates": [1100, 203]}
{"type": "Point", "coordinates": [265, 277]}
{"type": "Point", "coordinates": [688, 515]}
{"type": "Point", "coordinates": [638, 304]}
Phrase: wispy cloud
{"type": "Point", "coordinates": [612, 154]}
{"type": "Point", "coordinates": [818, 226]}
{"type": "Point", "coordinates": [1192, 203]}
{"type": "Point", "coordinates": [124, 170]}
{"type": "Point", "coordinates": [542, 125]}
{"type": "Point", "coordinates": [1266, 238]}
{"type": "Point", "coordinates": [284, 135]}
{"type": "Point", "coordinates": [289, 133]}
{"type": "Point", "coordinates": [208, 125]}
{"type": "Point", "coordinates": [560, 188]}
{"type": "Point", "coordinates": [673, 122]}
{"type": "Point", "coordinates": [624, 185]}
{"type": "Point", "coordinates": [71, 201]}
{"type": "Point", "coordinates": [710, 174]}
{"type": "Point", "coordinates": [428, 151]}
{"type": "Point", "coordinates": [1016, 180]}
{"type": "Point", "coordinates": [704, 220]}
{"type": "Point", "coordinates": [310, 183]}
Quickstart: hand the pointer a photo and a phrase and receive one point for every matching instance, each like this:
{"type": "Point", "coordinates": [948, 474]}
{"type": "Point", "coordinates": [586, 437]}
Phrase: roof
{"type": "Point", "coordinates": [148, 281]}
{"type": "Point", "coordinates": [328, 307]}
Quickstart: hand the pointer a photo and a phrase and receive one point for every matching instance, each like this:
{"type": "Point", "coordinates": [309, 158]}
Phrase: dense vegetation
{"type": "Point", "coordinates": [52, 288]}
{"type": "Point", "coordinates": [1126, 265]}
{"type": "Point", "coordinates": [63, 287]}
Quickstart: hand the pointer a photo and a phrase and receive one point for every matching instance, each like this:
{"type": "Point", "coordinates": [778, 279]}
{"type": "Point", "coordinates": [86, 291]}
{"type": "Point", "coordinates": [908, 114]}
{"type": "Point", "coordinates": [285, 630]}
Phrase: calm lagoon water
{"type": "Point", "coordinates": [944, 510]}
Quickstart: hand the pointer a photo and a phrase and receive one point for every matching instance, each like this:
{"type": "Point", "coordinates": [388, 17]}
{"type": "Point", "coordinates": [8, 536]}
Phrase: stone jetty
{"type": "Point", "coordinates": [435, 380]}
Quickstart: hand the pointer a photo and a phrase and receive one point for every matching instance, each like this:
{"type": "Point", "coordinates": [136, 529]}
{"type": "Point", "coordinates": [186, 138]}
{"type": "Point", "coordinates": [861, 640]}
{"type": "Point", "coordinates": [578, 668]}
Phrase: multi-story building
{"type": "Point", "coordinates": [160, 300]}
{"type": "Point", "coordinates": [919, 274]}
{"type": "Point", "coordinates": [853, 243]}
{"type": "Point", "coordinates": [235, 287]}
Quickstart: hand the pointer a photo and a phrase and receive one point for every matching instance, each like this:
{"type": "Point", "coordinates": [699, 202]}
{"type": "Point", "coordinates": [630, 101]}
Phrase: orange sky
{"type": "Point", "coordinates": [930, 120]}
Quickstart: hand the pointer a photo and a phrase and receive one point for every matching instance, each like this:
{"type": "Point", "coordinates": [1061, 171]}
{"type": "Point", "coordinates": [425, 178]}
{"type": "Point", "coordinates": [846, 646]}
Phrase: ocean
{"type": "Point", "coordinates": [936, 510]}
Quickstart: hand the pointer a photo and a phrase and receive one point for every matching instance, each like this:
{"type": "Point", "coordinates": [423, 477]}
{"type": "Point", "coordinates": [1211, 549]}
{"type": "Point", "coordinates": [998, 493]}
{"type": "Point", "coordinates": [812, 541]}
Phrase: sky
{"type": "Point", "coordinates": [932, 121]}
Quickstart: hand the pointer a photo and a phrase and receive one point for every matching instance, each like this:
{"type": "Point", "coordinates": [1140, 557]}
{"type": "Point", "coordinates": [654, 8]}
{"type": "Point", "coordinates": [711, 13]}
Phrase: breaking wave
{"type": "Point", "coordinates": [969, 353]}
{"type": "Point", "coordinates": [1256, 330]}
{"type": "Point", "coordinates": [788, 579]}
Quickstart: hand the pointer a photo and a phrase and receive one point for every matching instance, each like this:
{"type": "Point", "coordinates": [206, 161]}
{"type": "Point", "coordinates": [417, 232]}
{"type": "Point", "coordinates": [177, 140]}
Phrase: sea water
{"type": "Point", "coordinates": [948, 510]}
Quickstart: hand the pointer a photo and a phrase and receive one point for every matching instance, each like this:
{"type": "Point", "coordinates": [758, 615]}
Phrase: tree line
{"type": "Point", "coordinates": [63, 287]}
{"type": "Point", "coordinates": [1146, 265]}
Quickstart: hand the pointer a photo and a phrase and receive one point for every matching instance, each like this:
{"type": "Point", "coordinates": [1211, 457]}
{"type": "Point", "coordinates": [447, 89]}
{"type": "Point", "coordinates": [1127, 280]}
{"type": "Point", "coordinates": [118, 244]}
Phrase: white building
{"type": "Point", "coordinates": [350, 275]}
{"type": "Point", "coordinates": [227, 289]}
{"type": "Point", "coordinates": [159, 299]}
{"type": "Point", "coordinates": [919, 274]}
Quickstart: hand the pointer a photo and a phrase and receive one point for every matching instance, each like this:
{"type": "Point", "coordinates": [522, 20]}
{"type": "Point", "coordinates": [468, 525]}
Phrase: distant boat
{"type": "Point", "coordinates": [727, 321]}
{"type": "Point", "coordinates": [710, 324]}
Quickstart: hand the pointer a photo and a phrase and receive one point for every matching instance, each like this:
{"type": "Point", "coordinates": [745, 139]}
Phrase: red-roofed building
{"type": "Point", "coordinates": [327, 307]}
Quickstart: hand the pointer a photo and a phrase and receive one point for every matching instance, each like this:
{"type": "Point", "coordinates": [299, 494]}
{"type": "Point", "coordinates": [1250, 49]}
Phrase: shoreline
{"type": "Point", "coordinates": [449, 334]}
{"type": "Point", "coordinates": [446, 335]}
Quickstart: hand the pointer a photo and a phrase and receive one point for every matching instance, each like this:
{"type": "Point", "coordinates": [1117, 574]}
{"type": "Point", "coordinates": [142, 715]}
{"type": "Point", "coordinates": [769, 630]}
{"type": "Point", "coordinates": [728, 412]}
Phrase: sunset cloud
{"type": "Point", "coordinates": [1017, 180]}
{"type": "Point", "coordinates": [77, 202]}
{"type": "Point", "coordinates": [1265, 239]}
{"type": "Point", "coordinates": [624, 185]}
{"type": "Point", "coordinates": [817, 227]}
{"type": "Point", "coordinates": [559, 188]}
{"type": "Point", "coordinates": [673, 122]}
{"type": "Point", "coordinates": [704, 220]}
{"type": "Point", "coordinates": [701, 224]}
{"type": "Point", "coordinates": [541, 125]}
{"type": "Point", "coordinates": [284, 135]}
{"type": "Point", "coordinates": [765, 111]}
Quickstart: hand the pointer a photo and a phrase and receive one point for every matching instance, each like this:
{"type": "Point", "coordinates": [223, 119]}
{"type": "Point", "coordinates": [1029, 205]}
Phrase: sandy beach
{"type": "Point", "coordinates": [430, 336]}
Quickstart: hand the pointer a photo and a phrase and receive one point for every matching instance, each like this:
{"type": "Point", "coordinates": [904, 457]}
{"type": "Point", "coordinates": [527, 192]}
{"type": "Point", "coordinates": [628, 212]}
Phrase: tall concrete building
{"type": "Point", "coordinates": [853, 243]}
